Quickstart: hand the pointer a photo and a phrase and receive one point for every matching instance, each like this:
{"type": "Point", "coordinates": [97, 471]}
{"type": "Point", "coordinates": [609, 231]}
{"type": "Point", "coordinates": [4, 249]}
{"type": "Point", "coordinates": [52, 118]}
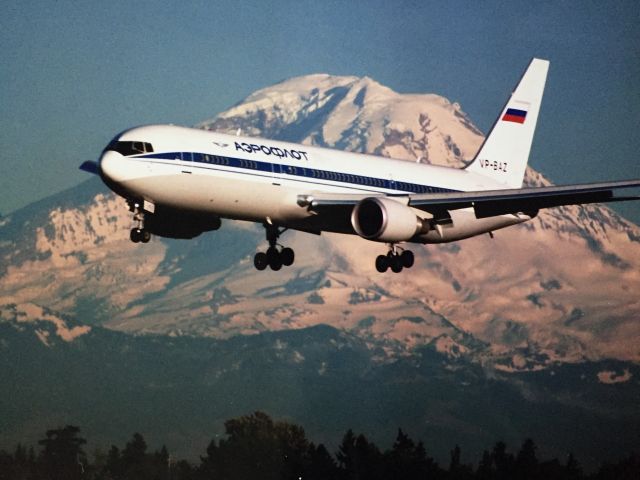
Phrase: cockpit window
{"type": "Point", "coordinates": [129, 148]}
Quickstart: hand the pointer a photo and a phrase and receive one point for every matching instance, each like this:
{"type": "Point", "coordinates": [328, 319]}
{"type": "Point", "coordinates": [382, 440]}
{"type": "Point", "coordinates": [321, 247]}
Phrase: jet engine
{"type": "Point", "coordinates": [386, 220]}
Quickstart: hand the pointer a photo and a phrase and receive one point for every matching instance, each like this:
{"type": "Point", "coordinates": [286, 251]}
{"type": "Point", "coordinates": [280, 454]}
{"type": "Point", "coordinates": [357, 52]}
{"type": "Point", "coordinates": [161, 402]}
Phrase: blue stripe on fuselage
{"type": "Point", "coordinates": [276, 169]}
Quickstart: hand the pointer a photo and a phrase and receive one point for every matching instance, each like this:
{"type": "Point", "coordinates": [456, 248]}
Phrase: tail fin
{"type": "Point", "coordinates": [504, 154]}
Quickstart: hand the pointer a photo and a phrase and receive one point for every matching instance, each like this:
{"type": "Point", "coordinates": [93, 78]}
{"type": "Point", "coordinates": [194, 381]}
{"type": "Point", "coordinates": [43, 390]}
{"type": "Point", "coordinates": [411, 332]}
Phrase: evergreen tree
{"type": "Point", "coordinates": [409, 460]}
{"type": "Point", "coordinates": [485, 467]}
{"type": "Point", "coordinates": [134, 458]}
{"type": "Point", "coordinates": [359, 459]}
{"type": "Point", "coordinates": [626, 469]}
{"type": "Point", "coordinates": [454, 464]}
{"type": "Point", "coordinates": [526, 463]}
{"type": "Point", "coordinates": [458, 471]}
{"type": "Point", "coordinates": [62, 456]}
{"type": "Point", "coordinates": [257, 447]}
{"type": "Point", "coordinates": [113, 466]}
{"type": "Point", "coordinates": [503, 461]}
{"type": "Point", "coordinates": [321, 465]}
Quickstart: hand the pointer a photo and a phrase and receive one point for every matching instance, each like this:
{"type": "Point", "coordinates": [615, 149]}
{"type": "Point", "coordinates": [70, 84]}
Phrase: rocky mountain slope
{"type": "Point", "coordinates": [562, 288]}
{"type": "Point", "coordinates": [532, 333]}
{"type": "Point", "coordinates": [178, 391]}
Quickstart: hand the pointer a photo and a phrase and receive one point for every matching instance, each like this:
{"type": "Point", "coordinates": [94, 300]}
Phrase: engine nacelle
{"type": "Point", "coordinates": [385, 220]}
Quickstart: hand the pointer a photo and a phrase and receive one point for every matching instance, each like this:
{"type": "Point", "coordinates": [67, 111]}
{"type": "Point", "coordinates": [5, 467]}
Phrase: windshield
{"type": "Point", "coordinates": [129, 148]}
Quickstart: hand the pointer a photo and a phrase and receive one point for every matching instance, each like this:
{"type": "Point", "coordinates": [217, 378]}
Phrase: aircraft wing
{"type": "Point", "coordinates": [500, 202]}
{"type": "Point", "coordinates": [486, 203]}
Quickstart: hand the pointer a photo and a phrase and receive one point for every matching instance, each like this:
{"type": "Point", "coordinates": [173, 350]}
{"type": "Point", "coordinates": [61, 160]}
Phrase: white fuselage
{"type": "Point", "coordinates": [262, 180]}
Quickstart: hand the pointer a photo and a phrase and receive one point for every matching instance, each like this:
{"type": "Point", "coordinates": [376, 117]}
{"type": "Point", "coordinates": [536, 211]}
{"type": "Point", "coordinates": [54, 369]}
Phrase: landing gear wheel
{"type": "Point", "coordinates": [382, 263]}
{"type": "Point", "coordinates": [272, 254]}
{"type": "Point", "coordinates": [260, 261]}
{"type": "Point", "coordinates": [396, 263]}
{"type": "Point", "coordinates": [397, 259]}
{"type": "Point", "coordinates": [276, 256]}
{"type": "Point", "coordinates": [287, 256]}
{"type": "Point", "coordinates": [407, 259]}
{"type": "Point", "coordinates": [275, 264]}
{"type": "Point", "coordinates": [136, 235]}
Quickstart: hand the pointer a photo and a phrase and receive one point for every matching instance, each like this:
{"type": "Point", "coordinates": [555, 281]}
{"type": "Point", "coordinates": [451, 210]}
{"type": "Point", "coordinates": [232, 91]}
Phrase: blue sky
{"type": "Point", "coordinates": [76, 73]}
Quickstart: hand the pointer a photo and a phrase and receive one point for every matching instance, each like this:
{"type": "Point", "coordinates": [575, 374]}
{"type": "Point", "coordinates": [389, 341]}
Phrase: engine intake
{"type": "Point", "coordinates": [386, 220]}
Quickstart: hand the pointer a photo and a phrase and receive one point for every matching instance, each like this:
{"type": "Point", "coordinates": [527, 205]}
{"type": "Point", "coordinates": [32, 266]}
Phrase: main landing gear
{"type": "Point", "coordinates": [276, 256]}
{"type": "Point", "coordinates": [138, 233]}
{"type": "Point", "coordinates": [395, 260]}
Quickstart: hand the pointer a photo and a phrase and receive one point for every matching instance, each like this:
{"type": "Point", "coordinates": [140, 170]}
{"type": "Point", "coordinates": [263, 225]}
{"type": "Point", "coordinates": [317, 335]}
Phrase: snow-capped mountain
{"type": "Point", "coordinates": [532, 333]}
{"type": "Point", "coordinates": [562, 288]}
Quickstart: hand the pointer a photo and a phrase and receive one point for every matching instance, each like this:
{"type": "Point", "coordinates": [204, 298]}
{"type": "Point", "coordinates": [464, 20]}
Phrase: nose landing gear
{"type": "Point", "coordinates": [276, 256]}
{"type": "Point", "coordinates": [138, 233]}
{"type": "Point", "coordinates": [395, 260]}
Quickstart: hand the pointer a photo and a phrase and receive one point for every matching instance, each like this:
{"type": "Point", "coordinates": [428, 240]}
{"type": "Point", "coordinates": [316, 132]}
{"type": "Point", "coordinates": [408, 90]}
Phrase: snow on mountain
{"type": "Point", "coordinates": [47, 323]}
{"type": "Point", "coordinates": [562, 288]}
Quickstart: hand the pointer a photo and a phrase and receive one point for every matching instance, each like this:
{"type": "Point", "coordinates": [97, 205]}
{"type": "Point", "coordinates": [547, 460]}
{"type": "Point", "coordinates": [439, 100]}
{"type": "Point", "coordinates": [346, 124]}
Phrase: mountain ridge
{"type": "Point", "coordinates": [532, 304]}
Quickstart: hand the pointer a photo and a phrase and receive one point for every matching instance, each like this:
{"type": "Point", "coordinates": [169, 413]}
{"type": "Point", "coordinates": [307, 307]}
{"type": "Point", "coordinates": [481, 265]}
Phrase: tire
{"type": "Point", "coordinates": [260, 261]}
{"type": "Point", "coordinates": [145, 236]}
{"type": "Point", "coordinates": [135, 235]}
{"type": "Point", "coordinates": [287, 256]}
{"type": "Point", "coordinates": [275, 263]}
{"type": "Point", "coordinates": [407, 259]}
{"type": "Point", "coordinates": [272, 254]}
{"type": "Point", "coordinates": [382, 263]}
{"type": "Point", "coordinates": [274, 258]}
{"type": "Point", "coordinates": [396, 264]}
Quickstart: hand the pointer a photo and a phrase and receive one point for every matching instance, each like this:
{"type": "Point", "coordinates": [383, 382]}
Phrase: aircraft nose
{"type": "Point", "coordinates": [112, 166]}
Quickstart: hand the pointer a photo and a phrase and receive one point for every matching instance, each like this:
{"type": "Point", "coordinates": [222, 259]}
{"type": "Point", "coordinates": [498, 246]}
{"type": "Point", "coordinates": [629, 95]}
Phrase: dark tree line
{"type": "Point", "coordinates": [256, 446]}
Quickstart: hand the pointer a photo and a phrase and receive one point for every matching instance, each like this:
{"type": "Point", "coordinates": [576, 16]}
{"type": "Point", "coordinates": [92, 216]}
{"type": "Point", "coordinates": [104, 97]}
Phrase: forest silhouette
{"type": "Point", "coordinates": [257, 447]}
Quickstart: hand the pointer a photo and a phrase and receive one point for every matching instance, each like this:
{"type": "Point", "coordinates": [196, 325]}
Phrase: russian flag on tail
{"type": "Point", "coordinates": [514, 115]}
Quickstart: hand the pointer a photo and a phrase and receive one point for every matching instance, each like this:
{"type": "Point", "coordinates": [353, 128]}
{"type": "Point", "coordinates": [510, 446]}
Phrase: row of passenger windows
{"type": "Point", "coordinates": [202, 158]}
{"type": "Point", "coordinates": [309, 172]}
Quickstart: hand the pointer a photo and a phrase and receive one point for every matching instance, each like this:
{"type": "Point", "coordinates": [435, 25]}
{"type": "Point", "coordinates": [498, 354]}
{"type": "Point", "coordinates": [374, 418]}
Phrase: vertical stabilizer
{"type": "Point", "coordinates": [504, 154]}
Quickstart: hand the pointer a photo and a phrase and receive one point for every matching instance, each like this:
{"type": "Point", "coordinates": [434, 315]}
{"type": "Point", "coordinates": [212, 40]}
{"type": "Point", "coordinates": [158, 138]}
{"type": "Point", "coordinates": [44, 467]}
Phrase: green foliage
{"type": "Point", "coordinates": [256, 446]}
{"type": "Point", "coordinates": [62, 456]}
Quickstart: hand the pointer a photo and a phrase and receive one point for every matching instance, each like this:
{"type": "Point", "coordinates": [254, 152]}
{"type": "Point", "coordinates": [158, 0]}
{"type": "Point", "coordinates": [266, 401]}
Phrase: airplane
{"type": "Point", "coordinates": [180, 182]}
